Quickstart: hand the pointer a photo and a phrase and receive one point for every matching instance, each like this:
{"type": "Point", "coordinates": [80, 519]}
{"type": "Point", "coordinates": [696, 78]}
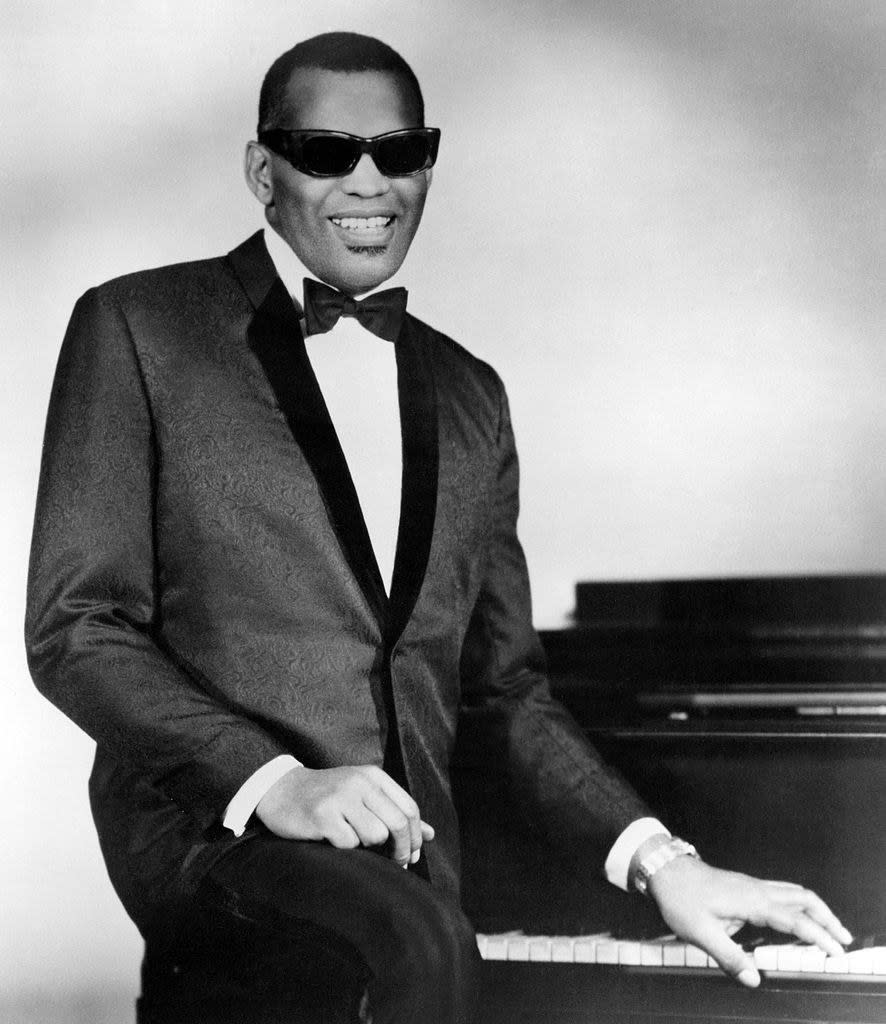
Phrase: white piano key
{"type": "Point", "coordinates": [695, 957]}
{"type": "Point", "coordinates": [766, 958]}
{"type": "Point", "coordinates": [518, 948]}
{"type": "Point", "coordinates": [607, 951]}
{"type": "Point", "coordinates": [837, 964]}
{"type": "Point", "coordinates": [813, 960]}
{"type": "Point", "coordinates": [651, 954]}
{"type": "Point", "coordinates": [861, 961]}
{"type": "Point", "coordinates": [563, 950]}
{"type": "Point", "coordinates": [540, 950]}
{"type": "Point", "coordinates": [790, 957]}
{"type": "Point", "coordinates": [878, 960]}
{"type": "Point", "coordinates": [629, 953]}
{"type": "Point", "coordinates": [496, 947]}
{"type": "Point", "coordinates": [482, 942]}
{"type": "Point", "coordinates": [674, 954]}
{"type": "Point", "coordinates": [586, 946]}
{"type": "Point", "coordinates": [585, 951]}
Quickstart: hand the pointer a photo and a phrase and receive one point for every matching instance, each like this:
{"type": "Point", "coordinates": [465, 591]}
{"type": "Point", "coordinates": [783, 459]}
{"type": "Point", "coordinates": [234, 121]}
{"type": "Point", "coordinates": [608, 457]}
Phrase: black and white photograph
{"type": "Point", "coordinates": [444, 531]}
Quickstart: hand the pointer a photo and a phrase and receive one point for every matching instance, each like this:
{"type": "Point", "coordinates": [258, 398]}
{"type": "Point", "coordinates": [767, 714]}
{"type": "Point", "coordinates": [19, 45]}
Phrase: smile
{"type": "Point", "coordinates": [358, 224]}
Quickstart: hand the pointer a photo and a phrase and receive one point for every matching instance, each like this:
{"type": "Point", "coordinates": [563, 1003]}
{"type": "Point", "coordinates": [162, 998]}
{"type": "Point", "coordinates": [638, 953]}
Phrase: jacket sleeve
{"type": "Point", "coordinates": [556, 775]}
{"type": "Point", "coordinates": [93, 614]}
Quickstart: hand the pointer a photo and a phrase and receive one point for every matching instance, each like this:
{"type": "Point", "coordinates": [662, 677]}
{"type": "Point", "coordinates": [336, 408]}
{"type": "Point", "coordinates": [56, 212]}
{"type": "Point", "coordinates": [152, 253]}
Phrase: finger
{"type": "Point", "coordinates": [396, 824]}
{"type": "Point", "coordinates": [407, 806]}
{"type": "Point", "coordinates": [732, 959]}
{"type": "Point", "coordinates": [795, 922]}
{"type": "Point", "coordinates": [370, 829]}
{"type": "Point", "coordinates": [380, 779]}
{"type": "Point", "coordinates": [341, 835]}
{"type": "Point", "coordinates": [816, 908]}
{"type": "Point", "coordinates": [427, 834]}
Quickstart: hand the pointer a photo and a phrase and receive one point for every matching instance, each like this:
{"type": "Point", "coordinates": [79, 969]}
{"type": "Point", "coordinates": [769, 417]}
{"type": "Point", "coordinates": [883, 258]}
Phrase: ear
{"type": "Point", "coordinates": [257, 169]}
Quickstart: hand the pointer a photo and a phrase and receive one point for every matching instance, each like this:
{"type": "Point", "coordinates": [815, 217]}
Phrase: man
{"type": "Point", "coordinates": [271, 639]}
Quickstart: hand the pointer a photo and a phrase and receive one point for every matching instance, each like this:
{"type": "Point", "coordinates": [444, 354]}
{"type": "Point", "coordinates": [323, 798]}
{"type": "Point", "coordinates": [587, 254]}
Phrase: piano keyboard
{"type": "Point", "coordinates": [787, 959]}
{"type": "Point", "coordinates": [542, 979]}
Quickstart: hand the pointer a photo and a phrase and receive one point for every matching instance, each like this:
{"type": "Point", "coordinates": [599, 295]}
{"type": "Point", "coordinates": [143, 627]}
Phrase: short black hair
{"type": "Point", "coordinates": [334, 51]}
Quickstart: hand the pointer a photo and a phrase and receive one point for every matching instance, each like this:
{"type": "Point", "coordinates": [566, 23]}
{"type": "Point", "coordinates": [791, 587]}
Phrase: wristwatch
{"type": "Point", "coordinates": [657, 858]}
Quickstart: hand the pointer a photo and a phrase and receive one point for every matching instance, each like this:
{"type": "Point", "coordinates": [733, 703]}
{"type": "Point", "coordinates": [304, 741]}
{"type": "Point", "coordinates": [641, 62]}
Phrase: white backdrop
{"type": "Point", "coordinates": [660, 220]}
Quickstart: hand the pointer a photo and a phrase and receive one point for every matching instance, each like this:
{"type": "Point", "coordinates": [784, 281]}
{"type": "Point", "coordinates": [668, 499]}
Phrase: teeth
{"type": "Point", "coordinates": [361, 223]}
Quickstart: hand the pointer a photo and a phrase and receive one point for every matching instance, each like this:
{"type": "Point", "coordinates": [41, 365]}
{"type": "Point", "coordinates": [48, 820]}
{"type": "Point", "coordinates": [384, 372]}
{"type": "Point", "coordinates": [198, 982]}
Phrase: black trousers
{"type": "Point", "coordinates": [287, 932]}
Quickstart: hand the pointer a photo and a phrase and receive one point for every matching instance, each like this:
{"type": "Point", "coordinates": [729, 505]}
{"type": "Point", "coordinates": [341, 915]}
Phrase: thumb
{"type": "Point", "coordinates": [732, 959]}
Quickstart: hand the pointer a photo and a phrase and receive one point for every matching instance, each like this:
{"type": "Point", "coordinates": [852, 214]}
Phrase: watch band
{"type": "Point", "coordinates": [657, 859]}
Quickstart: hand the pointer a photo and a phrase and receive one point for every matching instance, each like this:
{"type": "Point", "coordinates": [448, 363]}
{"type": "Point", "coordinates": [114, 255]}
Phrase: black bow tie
{"type": "Point", "coordinates": [381, 312]}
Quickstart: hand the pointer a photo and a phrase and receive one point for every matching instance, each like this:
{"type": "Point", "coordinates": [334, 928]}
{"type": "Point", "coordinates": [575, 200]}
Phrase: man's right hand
{"type": "Point", "coordinates": [348, 807]}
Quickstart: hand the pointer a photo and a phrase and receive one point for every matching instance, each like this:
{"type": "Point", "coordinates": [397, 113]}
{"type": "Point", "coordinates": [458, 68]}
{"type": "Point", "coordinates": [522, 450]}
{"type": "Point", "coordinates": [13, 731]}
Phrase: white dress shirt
{"type": "Point", "coordinates": [357, 374]}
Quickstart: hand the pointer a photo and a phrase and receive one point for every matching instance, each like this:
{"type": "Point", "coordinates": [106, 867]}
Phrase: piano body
{"type": "Point", "coordinates": [751, 715]}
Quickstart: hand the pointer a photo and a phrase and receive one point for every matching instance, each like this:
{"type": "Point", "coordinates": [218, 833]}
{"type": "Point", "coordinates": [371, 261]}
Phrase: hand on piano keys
{"type": "Point", "coordinates": [705, 906]}
{"type": "Point", "coordinates": [786, 959]}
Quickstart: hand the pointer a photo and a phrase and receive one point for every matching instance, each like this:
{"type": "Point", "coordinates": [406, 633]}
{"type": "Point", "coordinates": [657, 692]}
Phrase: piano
{"type": "Point", "coordinates": [751, 714]}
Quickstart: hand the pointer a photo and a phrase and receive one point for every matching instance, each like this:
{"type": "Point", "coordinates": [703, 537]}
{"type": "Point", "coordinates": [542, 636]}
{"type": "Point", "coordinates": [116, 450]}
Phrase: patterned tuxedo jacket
{"type": "Point", "coordinates": [203, 594]}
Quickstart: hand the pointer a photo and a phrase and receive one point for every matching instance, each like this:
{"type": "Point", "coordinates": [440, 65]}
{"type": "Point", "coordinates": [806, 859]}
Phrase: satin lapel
{"type": "Point", "coordinates": [275, 337]}
{"type": "Point", "coordinates": [418, 501]}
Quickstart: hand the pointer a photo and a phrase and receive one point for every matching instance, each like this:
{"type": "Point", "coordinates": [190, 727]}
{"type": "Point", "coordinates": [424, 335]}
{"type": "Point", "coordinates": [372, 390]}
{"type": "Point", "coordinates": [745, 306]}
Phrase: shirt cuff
{"type": "Point", "coordinates": [247, 797]}
{"type": "Point", "coordinates": [627, 844]}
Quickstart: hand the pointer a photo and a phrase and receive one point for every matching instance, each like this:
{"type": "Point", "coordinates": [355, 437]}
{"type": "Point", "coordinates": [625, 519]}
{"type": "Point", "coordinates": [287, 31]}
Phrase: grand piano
{"type": "Point", "coordinates": [751, 714]}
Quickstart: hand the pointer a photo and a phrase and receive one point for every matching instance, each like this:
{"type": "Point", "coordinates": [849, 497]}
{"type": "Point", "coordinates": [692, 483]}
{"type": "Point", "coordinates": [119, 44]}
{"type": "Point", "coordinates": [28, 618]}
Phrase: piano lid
{"type": "Point", "coordinates": [751, 602]}
{"type": "Point", "coordinates": [810, 642]}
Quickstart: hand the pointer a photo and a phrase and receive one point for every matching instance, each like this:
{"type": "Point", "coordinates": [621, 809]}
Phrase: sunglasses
{"type": "Point", "coordinates": [325, 154]}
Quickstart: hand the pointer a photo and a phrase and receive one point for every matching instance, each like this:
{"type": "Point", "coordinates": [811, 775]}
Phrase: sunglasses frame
{"type": "Point", "coordinates": [289, 142]}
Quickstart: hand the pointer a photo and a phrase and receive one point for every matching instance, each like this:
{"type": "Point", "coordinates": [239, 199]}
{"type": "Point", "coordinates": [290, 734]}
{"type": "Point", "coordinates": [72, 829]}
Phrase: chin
{"type": "Point", "coordinates": [373, 269]}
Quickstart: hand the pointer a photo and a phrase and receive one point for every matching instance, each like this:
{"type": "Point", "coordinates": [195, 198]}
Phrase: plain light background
{"type": "Point", "coordinates": [660, 220]}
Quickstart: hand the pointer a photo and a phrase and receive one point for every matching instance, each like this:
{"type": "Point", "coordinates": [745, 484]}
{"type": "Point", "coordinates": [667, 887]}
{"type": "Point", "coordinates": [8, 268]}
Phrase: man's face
{"type": "Point", "coordinates": [354, 231]}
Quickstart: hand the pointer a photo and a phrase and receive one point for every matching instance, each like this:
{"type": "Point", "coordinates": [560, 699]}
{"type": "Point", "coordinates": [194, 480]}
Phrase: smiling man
{"type": "Point", "coordinates": [275, 556]}
{"type": "Point", "coordinates": [353, 238]}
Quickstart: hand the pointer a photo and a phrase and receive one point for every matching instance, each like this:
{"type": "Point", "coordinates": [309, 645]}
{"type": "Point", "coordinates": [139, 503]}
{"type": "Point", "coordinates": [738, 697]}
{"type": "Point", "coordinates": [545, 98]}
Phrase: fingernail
{"type": "Point", "coordinates": [414, 858]}
{"type": "Point", "coordinates": [845, 936]}
{"type": "Point", "coordinates": [750, 977]}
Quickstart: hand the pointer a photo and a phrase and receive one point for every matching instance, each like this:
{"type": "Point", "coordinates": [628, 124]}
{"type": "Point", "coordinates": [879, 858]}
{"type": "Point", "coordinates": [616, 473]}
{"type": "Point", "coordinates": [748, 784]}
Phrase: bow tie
{"type": "Point", "coordinates": [381, 312]}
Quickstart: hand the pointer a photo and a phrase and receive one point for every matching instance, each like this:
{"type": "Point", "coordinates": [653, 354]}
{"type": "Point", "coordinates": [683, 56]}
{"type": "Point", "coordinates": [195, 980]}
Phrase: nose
{"type": "Point", "coordinates": [366, 179]}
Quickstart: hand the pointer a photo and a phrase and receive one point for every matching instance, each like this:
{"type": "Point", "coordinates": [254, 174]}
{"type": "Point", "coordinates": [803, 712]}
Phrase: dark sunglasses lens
{"type": "Point", "coordinates": [328, 155]}
{"type": "Point", "coordinates": [403, 154]}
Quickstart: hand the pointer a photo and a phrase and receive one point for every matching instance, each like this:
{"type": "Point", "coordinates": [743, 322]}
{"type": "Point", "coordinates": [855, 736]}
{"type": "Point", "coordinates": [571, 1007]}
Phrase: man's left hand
{"type": "Point", "coordinates": [705, 905]}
